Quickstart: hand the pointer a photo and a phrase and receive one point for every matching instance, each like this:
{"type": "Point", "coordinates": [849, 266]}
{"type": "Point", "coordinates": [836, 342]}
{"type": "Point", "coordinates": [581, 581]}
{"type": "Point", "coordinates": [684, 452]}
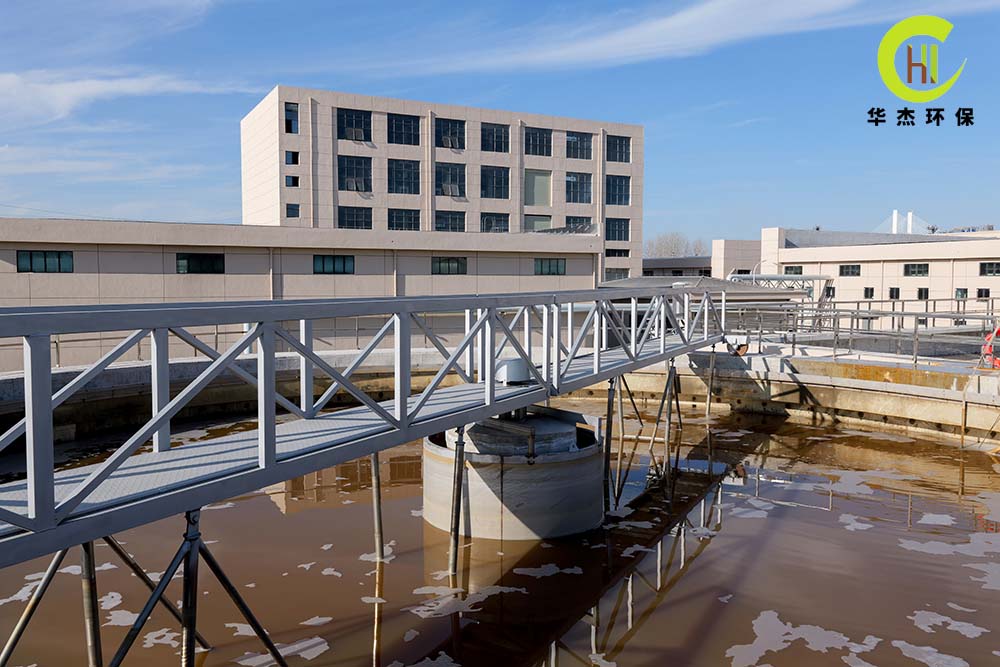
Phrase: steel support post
{"type": "Point", "coordinates": [547, 335]}
{"type": "Point", "coordinates": [91, 609]}
{"type": "Point", "coordinates": [621, 440]}
{"type": "Point", "coordinates": [189, 599]}
{"type": "Point", "coordinates": [38, 429]}
{"type": "Point", "coordinates": [711, 383]}
{"type": "Point", "coordinates": [266, 440]}
{"type": "Point", "coordinates": [456, 499]}
{"type": "Point", "coordinates": [160, 381]}
{"type": "Point", "coordinates": [470, 349]}
{"type": "Point", "coordinates": [490, 350]}
{"type": "Point", "coordinates": [306, 369]}
{"type": "Point", "coordinates": [556, 348]}
{"type": "Point", "coordinates": [598, 324]}
{"type": "Point", "coordinates": [608, 430]}
{"type": "Point", "coordinates": [633, 324]}
{"type": "Point", "coordinates": [377, 508]}
{"type": "Point", "coordinates": [402, 362]}
{"type": "Point", "coordinates": [31, 607]}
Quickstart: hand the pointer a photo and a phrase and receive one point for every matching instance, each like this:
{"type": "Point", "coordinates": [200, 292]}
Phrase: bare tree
{"type": "Point", "coordinates": [673, 244]}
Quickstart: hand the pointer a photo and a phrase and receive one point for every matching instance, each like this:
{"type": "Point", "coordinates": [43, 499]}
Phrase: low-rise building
{"type": "Point", "coordinates": [677, 266]}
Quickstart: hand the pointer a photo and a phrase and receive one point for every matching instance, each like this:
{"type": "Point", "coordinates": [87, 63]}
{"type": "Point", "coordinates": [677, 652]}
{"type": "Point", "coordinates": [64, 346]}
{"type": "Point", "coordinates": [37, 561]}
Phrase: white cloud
{"type": "Point", "coordinates": [41, 96]}
{"type": "Point", "coordinates": [623, 38]}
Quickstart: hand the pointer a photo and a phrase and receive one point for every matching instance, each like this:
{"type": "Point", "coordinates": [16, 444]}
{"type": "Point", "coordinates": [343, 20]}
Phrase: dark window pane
{"type": "Point", "coordinates": [291, 118]}
{"type": "Point", "coordinates": [404, 177]}
{"type": "Point", "coordinates": [578, 187]}
{"type": "Point", "coordinates": [333, 264]}
{"type": "Point", "coordinates": [618, 189]}
{"type": "Point", "coordinates": [449, 133]}
{"type": "Point", "coordinates": [201, 262]}
{"type": "Point", "coordinates": [23, 261]}
{"type": "Point", "coordinates": [619, 149]}
{"type": "Point", "coordinates": [616, 229]}
{"type": "Point", "coordinates": [354, 217]}
{"type": "Point", "coordinates": [449, 265]}
{"type": "Point", "coordinates": [449, 221]}
{"type": "Point", "coordinates": [354, 125]}
{"type": "Point", "coordinates": [494, 222]}
{"type": "Point", "coordinates": [449, 179]}
{"type": "Point", "coordinates": [579, 145]}
{"type": "Point", "coordinates": [292, 210]}
{"type": "Point", "coordinates": [793, 270]}
{"type": "Point", "coordinates": [537, 141]}
{"type": "Point", "coordinates": [354, 173]}
{"type": "Point", "coordinates": [495, 182]}
{"type": "Point", "coordinates": [403, 129]}
{"type": "Point", "coordinates": [495, 138]}
{"type": "Point", "coordinates": [404, 220]}
{"type": "Point", "coordinates": [550, 266]}
{"type": "Point", "coordinates": [291, 157]}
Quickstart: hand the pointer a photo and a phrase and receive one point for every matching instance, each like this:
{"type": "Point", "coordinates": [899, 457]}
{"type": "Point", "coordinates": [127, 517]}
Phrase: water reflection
{"type": "Point", "coordinates": [876, 547]}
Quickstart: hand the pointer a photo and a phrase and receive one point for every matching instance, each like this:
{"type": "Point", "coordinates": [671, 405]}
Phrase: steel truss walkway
{"type": "Point", "coordinates": [50, 511]}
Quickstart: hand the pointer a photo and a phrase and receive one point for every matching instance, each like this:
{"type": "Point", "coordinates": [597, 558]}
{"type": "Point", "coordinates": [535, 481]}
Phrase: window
{"type": "Point", "coordinates": [615, 274]}
{"type": "Point", "coordinates": [403, 129]}
{"type": "Point", "coordinates": [449, 266]}
{"type": "Point", "coordinates": [354, 217]}
{"type": "Point", "coordinates": [983, 293]}
{"type": "Point", "coordinates": [449, 133]}
{"type": "Point", "coordinates": [893, 293]}
{"type": "Point", "coordinates": [578, 187]}
{"type": "Point", "coordinates": [619, 149]}
{"type": "Point", "coordinates": [793, 270]}
{"type": "Point", "coordinates": [705, 272]}
{"type": "Point", "coordinates": [495, 138]}
{"type": "Point", "coordinates": [201, 262]}
{"type": "Point", "coordinates": [616, 229]}
{"type": "Point", "coordinates": [923, 293]}
{"type": "Point", "coordinates": [743, 272]}
{"type": "Point", "coordinates": [618, 188]}
{"type": "Point", "coordinates": [989, 268]}
{"type": "Point", "coordinates": [537, 187]}
{"type": "Point", "coordinates": [404, 177]}
{"type": "Point", "coordinates": [404, 220]}
{"type": "Point", "coordinates": [617, 252]}
{"type": "Point", "coordinates": [449, 179]}
{"type": "Point", "coordinates": [354, 173]}
{"type": "Point", "coordinates": [911, 270]}
{"type": "Point", "coordinates": [550, 267]}
{"type": "Point", "coordinates": [494, 222]}
{"type": "Point", "coordinates": [494, 182]}
{"type": "Point", "coordinates": [537, 223]}
{"type": "Point", "coordinates": [44, 261]}
{"type": "Point", "coordinates": [291, 157]}
{"type": "Point", "coordinates": [291, 118]}
{"type": "Point", "coordinates": [676, 272]}
{"type": "Point", "coordinates": [333, 263]}
{"type": "Point", "coordinates": [850, 270]}
{"type": "Point", "coordinates": [291, 181]}
{"type": "Point", "coordinates": [578, 145]}
{"type": "Point", "coordinates": [354, 125]}
{"type": "Point", "coordinates": [830, 291]}
{"type": "Point", "coordinates": [537, 141]}
{"type": "Point", "coordinates": [579, 224]}
{"type": "Point", "coordinates": [292, 210]}
{"type": "Point", "coordinates": [869, 292]}
{"type": "Point", "coordinates": [961, 292]}
{"type": "Point", "coordinates": [449, 221]}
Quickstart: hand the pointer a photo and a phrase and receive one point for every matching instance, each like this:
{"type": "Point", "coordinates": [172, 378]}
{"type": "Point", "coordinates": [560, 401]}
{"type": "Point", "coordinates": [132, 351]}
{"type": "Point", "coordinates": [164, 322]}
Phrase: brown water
{"type": "Point", "coordinates": [840, 547]}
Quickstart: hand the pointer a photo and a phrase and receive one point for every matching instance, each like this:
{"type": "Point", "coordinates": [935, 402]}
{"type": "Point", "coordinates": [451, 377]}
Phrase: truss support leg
{"type": "Point", "coordinates": [189, 608]}
{"type": "Point", "coordinates": [631, 399]}
{"type": "Point", "coordinates": [456, 500]}
{"type": "Point", "coordinates": [711, 383]}
{"type": "Point", "coordinates": [621, 439]}
{"type": "Point", "coordinates": [240, 603]}
{"type": "Point", "coordinates": [31, 607]}
{"type": "Point", "coordinates": [141, 575]}
{"type": "Point", "coordinates": [608, 426]}
{"type": "Point", "coordinates": [91, 611]}
{"type": "Point", "coordinates": [377, 508]}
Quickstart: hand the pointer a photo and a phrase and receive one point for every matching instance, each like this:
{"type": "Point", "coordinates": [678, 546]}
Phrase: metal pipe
{"type": "Point", "coordinates": [456, 499]}
{"type": "Point", "coordinates": [189, 606]}
{"type": "Point", "coordinates": [608, 431]}
{"type": "Point", "coordinates": [377, 508]}
{"type": "Point", "coordinates": [711, 383]}
{"type": "Point", "coordinates": [91, 611]}
{"type": "Point", "coordinates": [31, 607]}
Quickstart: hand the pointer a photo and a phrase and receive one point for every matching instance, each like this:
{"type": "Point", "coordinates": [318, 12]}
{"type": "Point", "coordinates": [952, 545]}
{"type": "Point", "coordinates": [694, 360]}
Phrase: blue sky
{"type": "Point", "coordinates": [754, 109]}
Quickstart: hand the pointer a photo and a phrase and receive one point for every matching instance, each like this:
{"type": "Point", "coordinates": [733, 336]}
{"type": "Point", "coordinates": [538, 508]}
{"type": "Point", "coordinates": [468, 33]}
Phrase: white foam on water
{"type": "Point", "coordinates": [241, 629]}
{"type": "Point", "coordinates": [958, 607]}
{"type": "Point", "coordinates": [546, 570]}
{"type": "Point", "coordinates": [928, 620]}
{"type": "Point", "coordinates": [110, 600]}
{"type": "Point", "coordinates": [854, 523]}
{"type": "Point", "coordinates": [634, 549]}
{"type": "Point", "coordinates": [386, 552]}
{"type": "Point", "coordinates": [368, 599]}
{"type": "Point", "coordinates": [991, 580]}
{"type": "Point", "coordinates": [598, 660]}
{"type": "Point", "coordinates": [75, 569]}
{"type": "Point", "coordinates": [448, 604]}
{"type": "Point", "coordinates": [306, 566]}
{"type": "Point", "coordinates": [250, 585]}
{"type": "Point", "coordinates": [702, 533]}
{"type": "Point", "coordinates": [437, 590]}
{"type": "Point", "coordinates": [410, 635]}
{"type": "Point", "coordinates": [348, 502]}
{"type": "Point", "coordinates": [442, 660]}
{"type": "Point", "coordinates": [326, 547]}
{"type": "Point", "coordinates": [439, 575]}
{"type": "Point", "coordinates": [22, 595]}
{"type": "Point", "coordinates": [992, 501]}
{"type": "Point", "coordinates": [121, 618]}
{"type": "Point", "coordinates": [221, 506]}
{"type": "Point", "coordinates": [928, 655]}
{"type": "Point", "coordinates": [330, 572]}
{"type": "Point", "coordinates": [937, 520]}
{"type": "Point", "coordinates": [161, 637]}
{"type": "Point", "coordinates": [308, 649]}
{"type": "Point", "coordinates": [417, 513]}
{"type": "Point", "coordinates": [774, 635]}
{"type": "Point", "coordinates": [878, 435]}
{"type": "Point", "coordinates": [317, 620]}
{"type": "Point", "coordinates": [642, 525]}
{"type": "Point", "coordinates": [979, 545]}
{"type": "Point", "coordinates": [725, 598]}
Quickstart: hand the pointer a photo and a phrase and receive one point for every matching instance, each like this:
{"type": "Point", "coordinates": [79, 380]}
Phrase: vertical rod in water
{"type": "Point", "coordinates": [91, 612]}
{"type": "Point", "coordinates": [189, 604]}
{"type": "Point", "coordinates": [377, 509]}
{"type": "Point", "coordinates": [32, 606]}
{"type": "Point", "coordinates": [608, 425]}
{"type": "Point", "coordinates": [456, 499]}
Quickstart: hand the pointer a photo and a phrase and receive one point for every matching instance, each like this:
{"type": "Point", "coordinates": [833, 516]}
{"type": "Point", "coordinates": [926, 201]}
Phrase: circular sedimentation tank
{"type": "Point", "coordinates": [513, 488]}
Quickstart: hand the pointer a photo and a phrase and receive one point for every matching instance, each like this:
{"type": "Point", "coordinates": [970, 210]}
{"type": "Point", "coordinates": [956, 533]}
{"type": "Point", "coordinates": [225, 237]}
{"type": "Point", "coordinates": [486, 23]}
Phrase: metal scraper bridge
{"type": "Point", "coordinates": [567, 341]}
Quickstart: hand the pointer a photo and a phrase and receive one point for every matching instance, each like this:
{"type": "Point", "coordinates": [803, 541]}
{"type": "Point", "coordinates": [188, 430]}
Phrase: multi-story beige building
{"type": "Point", "coordinates": [394, 173]}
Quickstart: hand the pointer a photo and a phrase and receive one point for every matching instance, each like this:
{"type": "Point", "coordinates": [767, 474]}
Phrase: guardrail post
{"type": "Point", "coordinates": [470, 349]}
{"type": "Point", "coordinates": [403, 365]}
{"type": "Point", "coordinates": [687, 315]}
{"type": "Point", "coordinates": [306, 369]}
{"type": "Point", "coordinates": [704, 329]}
{"type": "Point", "coordinates": [266, 447]}
{"type": "Point", "coordinates": [556, 348]}
{"type": "Point", "coordinates": [38, 428]}
{"type": "Point", "coordinates": [160, 371]}
{"type": "Point", "coordinates": [527, 334]}
{"type": "Point", "coordinates": [662, 324]}
{"type": "Point", "coordinates": [489, 349]}
{"type": "Point", "coordinates": [723, 311]}
{"type": "Point", "coordinates": [547, 336]}
{"type": "Point", "coordinates": [598, 324]}
{"type": "Point", "coordinates": [633, 324]}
